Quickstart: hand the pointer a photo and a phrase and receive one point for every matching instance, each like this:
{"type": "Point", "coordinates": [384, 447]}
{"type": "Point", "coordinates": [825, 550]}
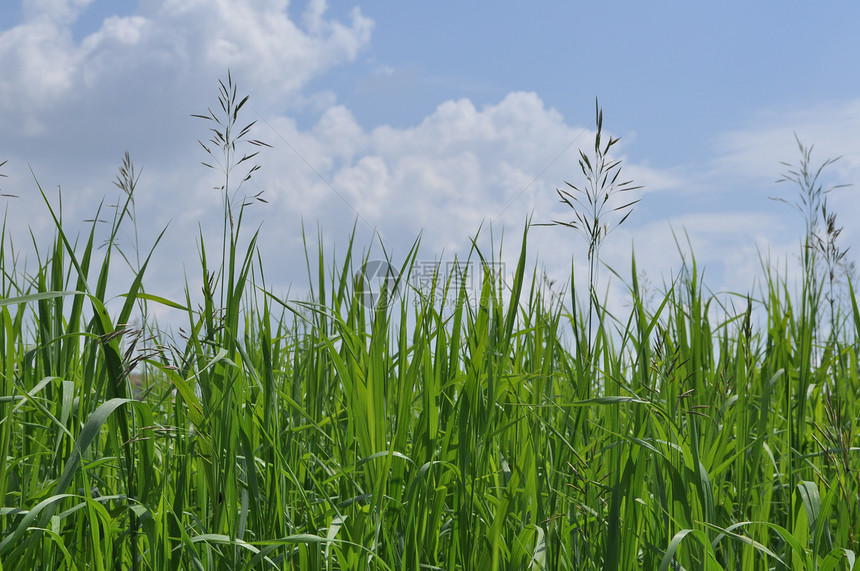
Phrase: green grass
{"type": "Point", "coordinates": [324, 434]}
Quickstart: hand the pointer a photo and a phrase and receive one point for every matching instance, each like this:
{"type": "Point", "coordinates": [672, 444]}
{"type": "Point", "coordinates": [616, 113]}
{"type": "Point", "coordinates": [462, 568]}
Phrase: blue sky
{"type": "Point", "coordinates": [436, 118]}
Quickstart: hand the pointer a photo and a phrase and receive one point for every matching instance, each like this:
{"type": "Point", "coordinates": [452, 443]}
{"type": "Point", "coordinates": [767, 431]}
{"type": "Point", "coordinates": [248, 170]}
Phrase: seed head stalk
{"type": "Point", "coordinates": [226, 139]}
{"type": "Point", "coordinates": [596, 213]}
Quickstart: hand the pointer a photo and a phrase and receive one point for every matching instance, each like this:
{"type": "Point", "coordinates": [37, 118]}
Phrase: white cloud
{"type": "Point", "coordinates": [62, 12]}
{"type": "Point", "coordinates": [173, 43]}
{"type": "Point", "coordinates": [38, 69]}
{"type": "Point", "coordinates": [753, 156]}
{"type": "Point", "coordinates": [757, 150]}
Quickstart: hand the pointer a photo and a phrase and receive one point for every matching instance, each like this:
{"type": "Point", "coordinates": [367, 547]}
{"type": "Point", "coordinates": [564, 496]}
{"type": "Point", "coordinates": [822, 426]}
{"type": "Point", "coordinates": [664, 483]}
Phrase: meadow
{"type": "Point", "coordinates": [517, 430]}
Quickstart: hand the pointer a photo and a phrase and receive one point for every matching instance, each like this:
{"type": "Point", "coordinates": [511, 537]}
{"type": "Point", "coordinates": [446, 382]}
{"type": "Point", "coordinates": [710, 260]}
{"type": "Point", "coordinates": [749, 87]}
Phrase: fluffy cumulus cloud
{"type": "Point", "coordinates": [71, 105]}
{"type": "Point", "coordinates": [61, 11]}
{"type": "Point", "coordinates": [163, 51]}
{"type": "Point", "coordinates": [461, 167]}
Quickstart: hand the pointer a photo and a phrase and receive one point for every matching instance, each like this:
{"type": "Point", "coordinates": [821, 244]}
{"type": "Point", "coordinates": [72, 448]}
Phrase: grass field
{"type": "Point", "coordinates": [329, 434]}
